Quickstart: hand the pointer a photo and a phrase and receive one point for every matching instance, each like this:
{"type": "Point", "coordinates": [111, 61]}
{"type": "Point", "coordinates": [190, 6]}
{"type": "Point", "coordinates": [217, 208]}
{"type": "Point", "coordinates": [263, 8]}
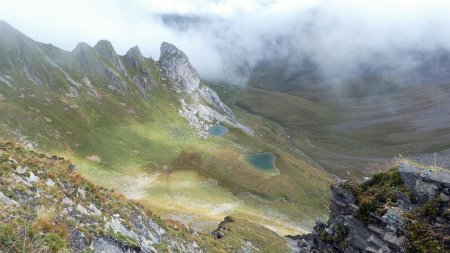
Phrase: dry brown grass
{"type": "Point", "coordinates": [45, 220]}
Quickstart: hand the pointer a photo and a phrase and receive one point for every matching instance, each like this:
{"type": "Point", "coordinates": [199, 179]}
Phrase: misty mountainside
{"type": "Point", "coordinates": [348, 96]}
{"type": "Point", "coordinates": [234, 126]}
{"type": "Point", "coordinates": [142, 126]}
{"type": "Point", "coordinates": [344, 119]}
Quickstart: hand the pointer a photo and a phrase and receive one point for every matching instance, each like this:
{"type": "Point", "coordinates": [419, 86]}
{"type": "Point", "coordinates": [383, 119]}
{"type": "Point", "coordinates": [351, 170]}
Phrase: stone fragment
{"type": "Point", "coordinates": [8, 201]}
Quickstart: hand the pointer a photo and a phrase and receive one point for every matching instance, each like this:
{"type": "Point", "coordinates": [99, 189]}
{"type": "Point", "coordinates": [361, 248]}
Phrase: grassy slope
{"type": "Point", "coordinates": [42, 226]}
{"type": "Point", "coordinates": [346, 134]}
{"type": "Point", "coordinates": [120, 139]}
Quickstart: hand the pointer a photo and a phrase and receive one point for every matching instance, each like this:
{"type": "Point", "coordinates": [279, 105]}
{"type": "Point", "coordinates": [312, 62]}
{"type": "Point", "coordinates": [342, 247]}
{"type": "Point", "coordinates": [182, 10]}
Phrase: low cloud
{"type": "Point", "coordinates": [226, 38]}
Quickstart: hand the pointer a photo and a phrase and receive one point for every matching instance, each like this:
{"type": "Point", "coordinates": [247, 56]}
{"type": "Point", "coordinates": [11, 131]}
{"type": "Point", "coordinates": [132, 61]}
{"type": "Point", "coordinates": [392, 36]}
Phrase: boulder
{"type": "Point", "coordinates": [424, 183]}
{"type": "Point", "coordinates": [104, 245]}
{"type": "Point", "coordinates": [8, 201]}
{"type": "Point", "coordinates": [217, 234]}
{"type": "Point", "coordinates": [222, 227]}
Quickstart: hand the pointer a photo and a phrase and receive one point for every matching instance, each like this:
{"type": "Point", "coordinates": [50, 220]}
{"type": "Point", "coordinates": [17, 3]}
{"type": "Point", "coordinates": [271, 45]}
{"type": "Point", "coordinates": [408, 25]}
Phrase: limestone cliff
{"type": "Point", "coordinates": [176, 65]}
{"type": "Point", "coordinates": [201, 106]}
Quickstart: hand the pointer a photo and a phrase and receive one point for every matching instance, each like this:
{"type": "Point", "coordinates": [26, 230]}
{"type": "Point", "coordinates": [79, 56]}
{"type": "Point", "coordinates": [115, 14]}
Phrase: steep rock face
{"type": "Point", "coordinates": [135, 56]}
{"type": "Point", "coordinates": [425, 184]}
{"type": "Point", "coordinates": [213, 99]}
{"type": "Point", "coordinates": [176, 65]}
{"type": "Point", "coordinates": [143, 79]}
{"type": "Point", "coordinates": [407, 210]}
{"type": "Point", "coordinates": [118, 75]}
{"type": "Point", "coordinates": [106, 49]}
{"type": "Point", "coordinates": [201, 106]}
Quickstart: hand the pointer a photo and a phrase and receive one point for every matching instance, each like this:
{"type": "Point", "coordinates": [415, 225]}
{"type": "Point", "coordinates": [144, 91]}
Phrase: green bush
{"type": "Point", "coordinates": [3, 158]}
{"type": "Point", "coordinates": [54, 242]}
{"type": "Point", "coordinates": [422, 239]}
{"type": "Point", "coordinates": [123, 239]}
{"type": "Point", "coordinates": [379, 190]}
{"type": "Point", "coordinates": [18, 236]}
{"type": "Point", "coordinates": [379, 178]}
{"type": "Point", "coordinates": [5, 167]}
{"type": "Point", "coordinates": [341, 235]}
{"type": "Point", "coordinates": [364, 211]}
{"type": "Point", "coordinates": [429, 210]}
{"type": "Point", "coordinates": [395, 178]}
{"type": "Point", "coordinates": [8, 238]}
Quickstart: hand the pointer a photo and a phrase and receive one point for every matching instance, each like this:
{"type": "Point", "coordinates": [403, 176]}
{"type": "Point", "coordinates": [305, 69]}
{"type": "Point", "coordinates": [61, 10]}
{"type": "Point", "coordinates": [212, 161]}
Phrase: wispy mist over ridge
{"type": "Point", "coordinates": [226, 38]}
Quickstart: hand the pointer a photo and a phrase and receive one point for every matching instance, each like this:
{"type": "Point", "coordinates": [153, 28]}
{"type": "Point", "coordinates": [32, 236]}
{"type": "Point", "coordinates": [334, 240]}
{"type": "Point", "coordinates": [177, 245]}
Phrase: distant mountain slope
{"type": "Point", "coordinates": [348, 120]}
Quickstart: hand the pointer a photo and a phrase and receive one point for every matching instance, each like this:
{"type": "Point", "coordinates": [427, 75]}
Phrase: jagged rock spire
{"type": "Point", "coordinates": [176, 65]}
{"type": "Point", "coordinates": [105, 47]}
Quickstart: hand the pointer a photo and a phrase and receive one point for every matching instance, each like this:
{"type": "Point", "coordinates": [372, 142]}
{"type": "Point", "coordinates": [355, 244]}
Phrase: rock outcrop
{"type": "Point", "coordinates": [143, 79]}
{"type": "Point", "coordinates": [201, 106]}
{"type": "Point", "coordinates": [176, 65]}
{"type": "Point", "coordinates": [404, 210]}
{"type": "Point", "coordinates": [219, 232]}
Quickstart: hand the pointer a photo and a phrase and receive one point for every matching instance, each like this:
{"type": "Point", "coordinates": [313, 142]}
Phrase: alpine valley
{"type": "Point", "coordinates": [103, 152]}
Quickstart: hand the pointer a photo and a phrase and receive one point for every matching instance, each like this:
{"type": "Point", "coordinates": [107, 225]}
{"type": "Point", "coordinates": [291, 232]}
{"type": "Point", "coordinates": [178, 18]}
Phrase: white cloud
{"type": "Point", "coordinates": [237, 30]}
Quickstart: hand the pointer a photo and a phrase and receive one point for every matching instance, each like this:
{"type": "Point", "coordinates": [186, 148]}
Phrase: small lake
{"type": "Point", "coordinates": [264, 162]}
{"type": "Point", "coordinates": [217, 130]}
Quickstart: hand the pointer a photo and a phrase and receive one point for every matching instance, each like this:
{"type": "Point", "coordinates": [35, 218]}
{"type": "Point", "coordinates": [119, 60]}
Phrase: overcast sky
{"type": "Point", "coordinates": [235, 30]}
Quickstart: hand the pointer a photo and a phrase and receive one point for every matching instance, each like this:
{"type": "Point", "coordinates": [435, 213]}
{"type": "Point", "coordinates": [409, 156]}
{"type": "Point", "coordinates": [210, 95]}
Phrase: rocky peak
{"type": "Point", "coordinates": [134, 52]}
{"type": "Point", "coordinates": [105, 47]}
{"type": "Point", "coordinates": [5, 28]}
{"type": "Point", "coordinates": [12, 38]}
{"type": "Point", "coordinates": [135, 56]}
{"type": "Point", "coordinates": [176, 65]}
{"type": "Point", "coordinates": [203, 107]}
{"type": "Point", "coordinates": [82, 46]}
{"type": "Point", "coordinates": [83, 50]}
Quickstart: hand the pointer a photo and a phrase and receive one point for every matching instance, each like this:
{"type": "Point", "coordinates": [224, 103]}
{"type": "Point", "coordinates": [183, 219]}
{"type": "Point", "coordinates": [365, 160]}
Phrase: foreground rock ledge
{"type": "Point", "coordinates": [404, 210]}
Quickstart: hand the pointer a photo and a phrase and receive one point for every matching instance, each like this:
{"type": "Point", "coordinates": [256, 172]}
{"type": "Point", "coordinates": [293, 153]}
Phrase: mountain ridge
{"type": "Point", "coordinates": [126, 123]}
{"type": "Point", "coordinates": [173, 61]}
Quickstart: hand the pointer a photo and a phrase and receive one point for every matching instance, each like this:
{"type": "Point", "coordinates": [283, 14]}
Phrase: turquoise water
{"type": "Point", "coordinates": [217, 130]}
{"type": "Point", "coordinates": [262, 161]}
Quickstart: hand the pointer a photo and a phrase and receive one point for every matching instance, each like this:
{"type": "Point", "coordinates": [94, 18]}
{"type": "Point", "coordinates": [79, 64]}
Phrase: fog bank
{"type": "Point", "coordinates": [226, 38]}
